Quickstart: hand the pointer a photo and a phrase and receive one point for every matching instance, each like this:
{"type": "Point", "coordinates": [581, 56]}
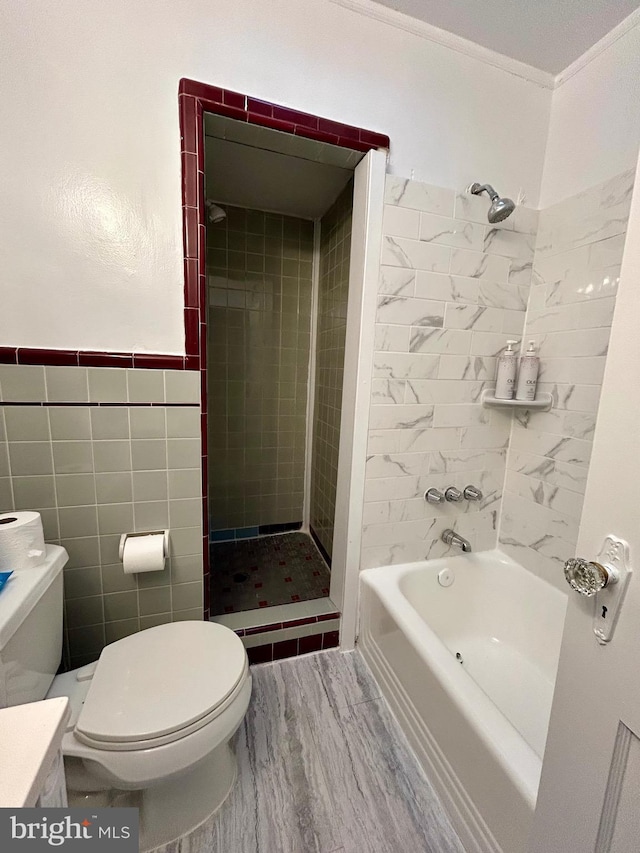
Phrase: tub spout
{"type": "Point", "coordinates": [452, 538]}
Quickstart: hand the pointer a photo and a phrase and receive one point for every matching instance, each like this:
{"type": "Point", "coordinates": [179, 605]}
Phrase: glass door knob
{"type": "Point", "coordinates": [587, 577]}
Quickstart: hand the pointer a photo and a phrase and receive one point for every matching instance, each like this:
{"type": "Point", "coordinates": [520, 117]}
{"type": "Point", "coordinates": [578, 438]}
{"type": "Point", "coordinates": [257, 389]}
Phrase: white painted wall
{"type": "Point", "coordinates": [594, 130]}
{"type": "Point", "coordinates": [90, 223]}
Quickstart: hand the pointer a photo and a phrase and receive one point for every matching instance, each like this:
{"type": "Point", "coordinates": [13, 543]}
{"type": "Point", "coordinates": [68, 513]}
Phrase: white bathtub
{"type": "Point", "coordinates": [469, 671]}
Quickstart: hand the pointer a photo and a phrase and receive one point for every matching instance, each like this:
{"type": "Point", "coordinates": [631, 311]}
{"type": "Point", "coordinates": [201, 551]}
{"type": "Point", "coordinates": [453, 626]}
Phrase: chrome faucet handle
{"type": "Point", "coordinates": [454, 495]}
{"type": "Point", "coordinates": [433, 496]}
{"type": "Point", "coordinates": [472, 494]}
{"type": "Point", "coordinates": [588, 577]}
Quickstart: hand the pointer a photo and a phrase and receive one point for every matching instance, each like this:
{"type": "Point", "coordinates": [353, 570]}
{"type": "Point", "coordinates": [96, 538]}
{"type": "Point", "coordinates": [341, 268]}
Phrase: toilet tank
{"type": "Point", "coordinates": [31, 605]}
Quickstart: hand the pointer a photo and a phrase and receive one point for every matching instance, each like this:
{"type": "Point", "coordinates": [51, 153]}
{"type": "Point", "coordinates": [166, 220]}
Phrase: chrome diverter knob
{"type": "Point", "coordinates": [588, 578]}
{"type": "Point", "coordinates": [472, 494]}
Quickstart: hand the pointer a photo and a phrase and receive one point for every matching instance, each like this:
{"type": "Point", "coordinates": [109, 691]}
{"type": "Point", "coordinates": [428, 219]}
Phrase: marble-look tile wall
{"type": "Point", "coordinates": [575, 276]}
{"type": "Point", "coordinates": [333, 293]}
{"type": "Point", "coordinates": [452, 289]}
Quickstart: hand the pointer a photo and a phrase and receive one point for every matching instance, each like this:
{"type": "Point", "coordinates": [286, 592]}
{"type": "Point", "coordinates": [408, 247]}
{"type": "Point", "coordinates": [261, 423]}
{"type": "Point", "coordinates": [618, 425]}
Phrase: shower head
{"type": "Point", "coordinates": [216, 214]}
{"type": "Point", "coordinates": [500, 207]}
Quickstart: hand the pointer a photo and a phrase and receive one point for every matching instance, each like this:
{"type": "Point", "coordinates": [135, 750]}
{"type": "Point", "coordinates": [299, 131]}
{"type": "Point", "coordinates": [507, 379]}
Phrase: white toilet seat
{"type": "Point", "coordinates": [158, 685]}
{"type": "Point", "coordinates": [134, 724]}
{"type": "Point", "coordinates": [177, 734]}
{"type": "Point", "coordinates": [141, 768]}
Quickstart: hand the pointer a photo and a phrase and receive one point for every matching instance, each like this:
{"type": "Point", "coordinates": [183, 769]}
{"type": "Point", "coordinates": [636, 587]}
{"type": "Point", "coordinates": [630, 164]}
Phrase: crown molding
{"type": "Point", "coordinates": [449, 40]}
{"type": "Point", "coordinates": [629, 23]}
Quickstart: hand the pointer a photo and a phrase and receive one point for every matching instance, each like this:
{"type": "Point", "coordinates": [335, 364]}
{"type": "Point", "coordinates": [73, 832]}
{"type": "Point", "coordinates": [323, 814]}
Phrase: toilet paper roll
{"type": "Point", "coordinates": [143, 554]}
{"type": "Point", "coordinates": [21, 540]}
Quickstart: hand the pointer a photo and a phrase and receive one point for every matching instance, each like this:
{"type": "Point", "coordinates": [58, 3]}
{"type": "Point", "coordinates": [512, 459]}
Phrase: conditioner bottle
{"type": "Point", "coordinates": [506, 378]}
{"type": "Point", "coordinates": [528, 374]}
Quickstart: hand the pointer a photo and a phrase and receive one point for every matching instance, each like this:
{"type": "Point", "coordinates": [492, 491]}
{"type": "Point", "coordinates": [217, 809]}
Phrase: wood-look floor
{"type": "Point", "coordinates": [323, 768]}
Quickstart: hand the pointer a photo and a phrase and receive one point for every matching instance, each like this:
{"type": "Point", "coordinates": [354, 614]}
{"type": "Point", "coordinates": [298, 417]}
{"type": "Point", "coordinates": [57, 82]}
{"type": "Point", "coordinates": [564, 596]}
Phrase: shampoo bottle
{"type": "Point", "coordinates": [528, 374]}
{"type": "Point", "coordinates": [506, 378]}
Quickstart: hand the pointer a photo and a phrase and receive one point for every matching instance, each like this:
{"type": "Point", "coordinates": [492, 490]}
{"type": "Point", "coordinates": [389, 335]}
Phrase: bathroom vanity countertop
{"type": "Point", "coordinates": [30, 737]}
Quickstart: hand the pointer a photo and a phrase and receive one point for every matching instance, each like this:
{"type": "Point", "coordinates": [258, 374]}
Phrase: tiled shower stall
{"type": "Point", "coordinates": [277, 304]}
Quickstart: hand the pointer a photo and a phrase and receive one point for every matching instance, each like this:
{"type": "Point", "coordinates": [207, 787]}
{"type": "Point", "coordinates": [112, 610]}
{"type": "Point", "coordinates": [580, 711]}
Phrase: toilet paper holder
{"type": "Point", "coordinates": [125, 536]}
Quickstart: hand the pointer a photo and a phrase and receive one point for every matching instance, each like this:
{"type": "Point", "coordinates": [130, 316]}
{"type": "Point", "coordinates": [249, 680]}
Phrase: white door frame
{"type": "Point", "coordinates": [364, 266]}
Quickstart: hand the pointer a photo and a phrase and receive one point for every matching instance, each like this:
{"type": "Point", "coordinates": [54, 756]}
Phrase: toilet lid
{"type": "Point", "coordinates": [161, 680]}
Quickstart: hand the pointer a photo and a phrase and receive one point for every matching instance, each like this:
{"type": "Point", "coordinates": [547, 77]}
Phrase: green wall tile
{"type": "Point", "coordinates": [249, 340]}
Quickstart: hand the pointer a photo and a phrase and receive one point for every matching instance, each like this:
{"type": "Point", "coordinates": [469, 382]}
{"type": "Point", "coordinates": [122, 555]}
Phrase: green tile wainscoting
{"type": "Point", "coordinates": [96, 460]}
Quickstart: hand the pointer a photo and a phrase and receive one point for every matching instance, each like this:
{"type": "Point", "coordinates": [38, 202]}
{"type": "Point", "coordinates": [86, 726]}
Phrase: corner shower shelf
{"type": "Point", "coordinates": [542, 403]}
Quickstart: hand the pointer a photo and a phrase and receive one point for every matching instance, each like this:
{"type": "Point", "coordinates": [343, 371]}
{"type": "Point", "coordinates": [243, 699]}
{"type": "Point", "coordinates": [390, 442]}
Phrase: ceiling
{"type": "Point", "coordinates": [263, 169]}
{"type": "Point", "coordinates": [548, 34]}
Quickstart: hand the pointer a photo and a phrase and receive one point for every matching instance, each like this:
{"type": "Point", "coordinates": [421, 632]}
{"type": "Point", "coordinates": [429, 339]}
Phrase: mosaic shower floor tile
{"type": "Point", "coordinates": [251, 573]}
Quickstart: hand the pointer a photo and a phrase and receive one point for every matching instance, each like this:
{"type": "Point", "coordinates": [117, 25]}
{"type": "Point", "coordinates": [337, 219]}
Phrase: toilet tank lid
{"type": "Point", "coordinates": [25, 588]}
{"type": "Point", "coordinates": [161, 680]}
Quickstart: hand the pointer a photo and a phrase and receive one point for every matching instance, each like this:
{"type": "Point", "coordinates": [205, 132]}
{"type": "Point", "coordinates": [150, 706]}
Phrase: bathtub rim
{"type": "Point", "coordinates": [521, 763]}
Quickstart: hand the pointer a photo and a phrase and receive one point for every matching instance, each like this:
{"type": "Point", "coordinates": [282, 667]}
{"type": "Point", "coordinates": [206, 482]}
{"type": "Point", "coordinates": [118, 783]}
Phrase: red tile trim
{"type": "Point", "coordinates": [203, 389]}
{"type": "Point", "coordinates": [294, 117]}
{"type": "Point", "coordinates": [189, 180]}
{"type": "Point", "coordinates": [325, 617]}
{"type": "Point", "coordinates": [223, 110]}
{"type": "Point", "coordinates": [260, 654]}
{"type": "Point", "coordinates": [191, 232]}
{"type": "Point", "coordinates": [290, 623]}
{"type": "Point", "coordinates": [234, 99]}
{"type": "Point", "coordinates": [159, 362]}
{"type": "Point", "coordinates": [192, 330]}
{"type": "Point", "coordinates": [292, 648]}
{"type": "Point", "coordinates": [285, 649]}
{"type": "Point", "coordinates": [191, 283]}
{"type": "Point", "coordinates": [377, 139]}
{"type": "Point", "coordinates": [343, 130]}
{"type": "Point", "coordinates": [105, 359]}
{"type": "Point", "coordinates": [204, 439]}
{"type": "Point", "coordinates": [188, 130]}
{"type": "Point", "coordinates": [312, 643]}
{"type": "Point", "coordinates": [294, 623]}
{"type": "Point", "coordinates": [44, 356]}
{"type": "Point", "coordinates": [199, 90]}
{"type": "Point", "coordinates": [330, 640]}
{"type": "Point", "coordinates": [87, 358]}
{"type": "Point", "coordinates": [318, 135]}
{"type": "Point", "coordinates": [263, 108]}
{"type": "Point", "coordinates": [202, 254]}
{"type": "Point", "coordinates": [253, 110]}
{"type": "Point", "coordinates": [260, 629]}
{"type": "Point", "coordinates": [202, 290]}
{"type": "Point", "coordinates": [8, 355]}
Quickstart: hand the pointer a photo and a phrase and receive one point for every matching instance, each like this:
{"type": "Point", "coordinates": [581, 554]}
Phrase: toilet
{"type": "Point", "coordinates": [151, 720]}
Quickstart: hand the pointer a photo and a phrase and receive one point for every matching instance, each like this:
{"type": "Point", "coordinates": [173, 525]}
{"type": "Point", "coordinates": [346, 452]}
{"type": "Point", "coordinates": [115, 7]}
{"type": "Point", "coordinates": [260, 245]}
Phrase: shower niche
{"type": "Point", "coordinates": [279, 216]}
